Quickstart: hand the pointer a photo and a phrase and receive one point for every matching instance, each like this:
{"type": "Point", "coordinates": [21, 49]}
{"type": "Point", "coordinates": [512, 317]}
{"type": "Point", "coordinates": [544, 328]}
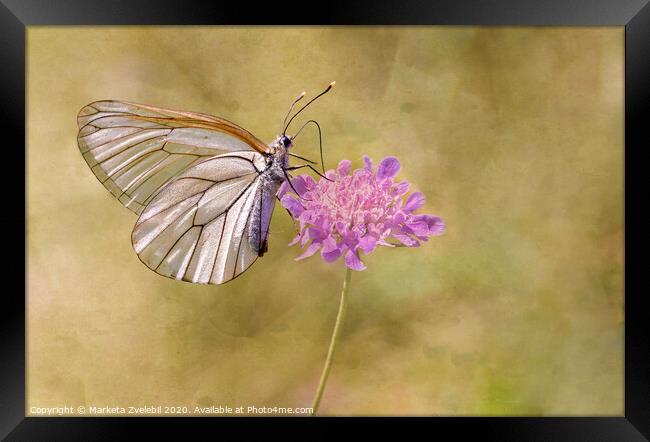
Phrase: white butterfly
{"type": "Point", "coordinates": [203, 187]}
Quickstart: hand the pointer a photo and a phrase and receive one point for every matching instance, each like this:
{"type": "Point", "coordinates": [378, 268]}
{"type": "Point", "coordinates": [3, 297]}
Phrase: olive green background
{"type": "Point", "coordinates": [515, 136]}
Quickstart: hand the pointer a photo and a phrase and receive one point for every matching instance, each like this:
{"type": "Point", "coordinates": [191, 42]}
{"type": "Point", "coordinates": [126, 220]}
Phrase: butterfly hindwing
{"type": "Point", "coordinates": [135, 149]}
{"type": "Point", "coordinates": [203, 226]}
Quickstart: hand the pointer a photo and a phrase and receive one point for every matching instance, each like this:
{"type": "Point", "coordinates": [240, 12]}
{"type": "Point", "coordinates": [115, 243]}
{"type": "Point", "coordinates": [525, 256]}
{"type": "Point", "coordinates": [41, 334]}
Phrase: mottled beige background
{"type": "Point", "coordinates": [515, 135]}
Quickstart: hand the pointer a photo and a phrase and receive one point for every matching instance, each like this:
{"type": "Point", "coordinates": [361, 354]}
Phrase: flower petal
{"type": "Point", "coordinates": [367, 162]}
{"type": "Point", "coordinates": [419, 228]}
{"type": "Point", "coordinates": [437, 227]}
{"type": "Point", "coordinates": [398, 218]}
{"type": "Point", "coordinates": [388, 168]}
{"type": "Point", "coordinates": [295, 240]}
{"type": "Point", "coordinates": [352, 261]}
{"type": "Point", "coordinates": [343, 168]}
{"type": "Point", "coordinates": [341, 227]}
{"type": "Point", "coordinates": [400, 188]}
{"type": "Point", "coordinates": [309, 251]}
{"type": "Point", "coordinates": [414, 202]}
{"type": "Point", "coordinates": [294, 206]}
{"type": "Point", "coordinates": [302, 184]}
{"type": "Point", "coordinates": [406, 240]}
{"type": "Point", "coordinates": [436, 224]}
{"type": "Point", "coordinates": [367, 243]}
{"type": "Point", "coordinates": [329, 244]}
{"type": "Point", "coordinates": [331, 256]}
{"type": "Point", "coordinates": [331, 251]}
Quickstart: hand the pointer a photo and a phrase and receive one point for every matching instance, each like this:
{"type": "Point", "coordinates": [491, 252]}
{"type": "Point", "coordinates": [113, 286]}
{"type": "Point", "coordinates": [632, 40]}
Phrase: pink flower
{"type": "Point", "coordinates": [356, 211]}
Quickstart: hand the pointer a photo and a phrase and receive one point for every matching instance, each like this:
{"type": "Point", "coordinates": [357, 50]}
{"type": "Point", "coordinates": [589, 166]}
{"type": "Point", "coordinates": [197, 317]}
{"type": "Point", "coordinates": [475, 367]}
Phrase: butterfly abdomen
{"type": "Point", "coordinates": [258, 228]}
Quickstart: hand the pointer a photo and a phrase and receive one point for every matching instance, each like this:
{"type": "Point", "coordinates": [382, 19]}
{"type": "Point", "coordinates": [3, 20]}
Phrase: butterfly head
{"type": "Point", "coordinates": [282, 144]}
{"type": "Point", "coordinates": [286, 142]}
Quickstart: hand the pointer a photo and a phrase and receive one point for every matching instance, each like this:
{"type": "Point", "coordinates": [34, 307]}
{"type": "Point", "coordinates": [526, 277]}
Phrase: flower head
{"type": "Point", "coordinates": [356, 211]}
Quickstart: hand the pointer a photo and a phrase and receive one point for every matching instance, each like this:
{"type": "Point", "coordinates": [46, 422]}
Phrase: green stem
{"type": "Point", "coordinates": [335, 336]}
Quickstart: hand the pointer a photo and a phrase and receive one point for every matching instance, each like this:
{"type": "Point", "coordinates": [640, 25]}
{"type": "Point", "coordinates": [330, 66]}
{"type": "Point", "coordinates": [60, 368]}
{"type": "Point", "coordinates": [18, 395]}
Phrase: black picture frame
{"type": "Point", "coordinates": [15, 15]}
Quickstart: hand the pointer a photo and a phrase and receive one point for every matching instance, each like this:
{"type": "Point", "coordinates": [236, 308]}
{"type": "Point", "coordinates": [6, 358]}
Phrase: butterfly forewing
{"type": "Point", "coordinates": [135, 149]}
{"type": "Point", "coordinates": [209, 224]}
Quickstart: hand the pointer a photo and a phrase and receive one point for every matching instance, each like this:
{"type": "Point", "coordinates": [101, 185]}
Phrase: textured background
{"type": "Point", "coordinates": [515, 135]}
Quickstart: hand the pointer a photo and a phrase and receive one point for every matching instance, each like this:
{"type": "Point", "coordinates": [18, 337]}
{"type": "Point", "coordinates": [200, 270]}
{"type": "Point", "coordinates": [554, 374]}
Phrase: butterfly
{"type": "Point", "coordinates": [203, 187]}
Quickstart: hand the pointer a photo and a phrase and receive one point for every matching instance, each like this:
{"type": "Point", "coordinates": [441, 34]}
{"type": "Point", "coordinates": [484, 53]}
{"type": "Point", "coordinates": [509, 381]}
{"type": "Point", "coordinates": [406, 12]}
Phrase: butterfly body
{"type": "Point", "coordinates": [270, 181]}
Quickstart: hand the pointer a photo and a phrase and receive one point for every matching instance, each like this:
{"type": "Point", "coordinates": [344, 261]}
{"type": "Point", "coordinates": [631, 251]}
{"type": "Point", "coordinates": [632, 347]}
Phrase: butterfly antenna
{"type": "Point", "coordinates": [330, 86]}
{"type": "Point", "coordinates": [300, 97]}
{"type": "Point", "coordinates": [320, 139]}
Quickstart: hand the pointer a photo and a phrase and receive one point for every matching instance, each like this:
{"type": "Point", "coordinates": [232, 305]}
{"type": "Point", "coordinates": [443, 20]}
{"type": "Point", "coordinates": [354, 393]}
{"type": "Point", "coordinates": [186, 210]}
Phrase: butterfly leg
{"type": "Point", "coordinates": [286, 175]}
{"type": "Point", "coordinates": [311, 167]}
{"type": "Point", "coordinates": [302, 158]}
{"type": "Point", "coordinates": [278, 198]}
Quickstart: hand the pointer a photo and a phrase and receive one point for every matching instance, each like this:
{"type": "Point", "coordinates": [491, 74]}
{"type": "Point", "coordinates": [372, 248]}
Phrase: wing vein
{"type": "Point", "coordinates": [216, 255]}
{"type": "Point", "coordinates": [241, 238]}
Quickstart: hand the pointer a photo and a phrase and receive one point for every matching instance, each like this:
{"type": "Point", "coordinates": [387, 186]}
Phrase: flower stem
{"type": "Point", "coordinates": [335, 336]}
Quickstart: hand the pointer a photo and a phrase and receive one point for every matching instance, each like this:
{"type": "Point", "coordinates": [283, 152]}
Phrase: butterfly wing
{"type": "Point", "coordinates": [209, 224]}
{"type": "Point", "coordinates": [135, 149]}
